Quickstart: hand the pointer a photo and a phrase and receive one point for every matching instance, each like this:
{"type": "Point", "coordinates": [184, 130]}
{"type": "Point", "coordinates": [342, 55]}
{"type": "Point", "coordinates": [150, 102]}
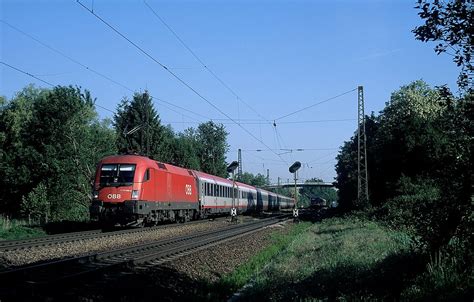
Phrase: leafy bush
{"type": "Point", "coordinates": [416, 208]}
{"type": "Point", "coordinates": [35, 205]}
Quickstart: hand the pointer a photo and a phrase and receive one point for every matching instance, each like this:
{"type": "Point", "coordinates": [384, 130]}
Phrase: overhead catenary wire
{"type": "Point", "coordinates": [278, 137]}
{"type": "Point", "coordinates": [27, 73]}
{"type": "Point", "coordinates": [316, 104]}
{"type": "Point", "coordinates": [253, 122]}
{"type": "Point", "coordinates": [41, 80]}
{"type": "Point", "coordinates": [289, 149]}
{"type": "Point", "coordinates": [97, 72]}
{"type": "Point", "coordinates": [219, 79]}
{"type": "Point", "coordinates": [90, 69]}
{"type": "Point", "coordinates": [179, 79]}
{"type": "Point", "coordinates": [52, 85]}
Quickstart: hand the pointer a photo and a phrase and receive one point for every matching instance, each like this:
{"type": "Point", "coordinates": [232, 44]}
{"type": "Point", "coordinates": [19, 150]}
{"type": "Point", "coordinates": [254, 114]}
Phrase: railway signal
{"type": "Point", "coordinates": [293, 169]}
{"type": "Point", "coordinates": [231, 169]}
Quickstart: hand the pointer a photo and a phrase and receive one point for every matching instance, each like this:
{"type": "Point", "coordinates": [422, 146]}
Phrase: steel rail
{"type": "Point", "coordinates": [68, 269]}
{"type": "Point", "coordinates": [10, 245]}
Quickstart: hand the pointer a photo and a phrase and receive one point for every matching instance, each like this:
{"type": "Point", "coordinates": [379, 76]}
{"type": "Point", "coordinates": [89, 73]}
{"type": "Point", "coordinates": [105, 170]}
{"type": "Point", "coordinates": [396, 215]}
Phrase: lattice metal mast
{"type": "Point", "coordinates": [239, 171]}
{"type": "Point", "coordinates": [363, 182]}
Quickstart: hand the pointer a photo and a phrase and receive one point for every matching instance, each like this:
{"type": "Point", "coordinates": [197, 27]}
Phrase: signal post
{"type": "Point", "coordinates": [293, 169]}
{"type": "Point", "coordinates": [231, 169]}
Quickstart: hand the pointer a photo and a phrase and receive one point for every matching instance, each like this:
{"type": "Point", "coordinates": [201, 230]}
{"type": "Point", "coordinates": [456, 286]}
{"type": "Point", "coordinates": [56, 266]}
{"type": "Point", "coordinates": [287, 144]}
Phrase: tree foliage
{"type": "Point", "coordinates": [450, 23]}
{"type": "Point", "coordinates": [138, 127]}
{"type": "Point", "coordinates": [418, 150]}
{"type": "Point", "coordinates": [203, 148]}
{"type": "Point", "coordinates": [50, 142]}
{"type": "Point", "coordinates": [212, 145]}
{"type": "Point", "coordinates": [186, 154]}
{"type": "Point", "coordinates": [35, 205]}
{"type": "Point", "coordinates": [257, 180]}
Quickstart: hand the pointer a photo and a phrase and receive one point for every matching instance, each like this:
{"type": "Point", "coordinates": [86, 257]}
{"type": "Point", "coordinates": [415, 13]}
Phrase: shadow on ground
{"type": "Point", "coordinates": [383, 282]}
{"type": "Point", "coordinates": [129, 285]}
{"type": "Point", "coordinates": [69, 226]}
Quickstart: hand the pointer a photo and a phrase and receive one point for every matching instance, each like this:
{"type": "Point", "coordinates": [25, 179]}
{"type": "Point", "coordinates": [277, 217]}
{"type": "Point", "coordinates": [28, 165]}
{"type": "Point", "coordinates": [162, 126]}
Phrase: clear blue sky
{"type": "Point", "coordinates": [278, 56]}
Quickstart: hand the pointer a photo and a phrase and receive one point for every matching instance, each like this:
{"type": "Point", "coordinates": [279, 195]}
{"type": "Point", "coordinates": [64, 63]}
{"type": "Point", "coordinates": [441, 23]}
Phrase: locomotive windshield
{"type": "Point", "coordinates": [114, 175]}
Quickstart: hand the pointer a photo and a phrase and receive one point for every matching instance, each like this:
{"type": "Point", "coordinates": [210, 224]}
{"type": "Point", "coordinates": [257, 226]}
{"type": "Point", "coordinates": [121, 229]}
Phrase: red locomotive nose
{"type": "Point", "coordinates": [115, 182]}
{"type": "Point", "coordinates": [116, 195]}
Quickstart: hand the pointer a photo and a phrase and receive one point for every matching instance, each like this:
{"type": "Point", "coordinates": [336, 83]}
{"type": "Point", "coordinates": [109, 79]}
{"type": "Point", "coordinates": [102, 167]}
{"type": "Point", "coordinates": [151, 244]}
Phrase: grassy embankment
{"type": "Point", "coordinates": [11, 229]}
{"type": "Point", "coordinates": [338, 259]}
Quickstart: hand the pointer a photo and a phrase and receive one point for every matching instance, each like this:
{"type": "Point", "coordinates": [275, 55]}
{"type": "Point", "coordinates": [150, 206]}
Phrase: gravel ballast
{"type": "Point", "coordinates": [214, 262]}
{"type": "Point", "coordinates": [86, 246]}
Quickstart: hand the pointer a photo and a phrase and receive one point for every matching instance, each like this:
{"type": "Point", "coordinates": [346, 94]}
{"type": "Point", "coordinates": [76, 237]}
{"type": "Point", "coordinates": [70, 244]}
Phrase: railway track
{"type": "Point", "coordinates": [10, 245]}
{"type": "Point", "coordinates": [59, 271]}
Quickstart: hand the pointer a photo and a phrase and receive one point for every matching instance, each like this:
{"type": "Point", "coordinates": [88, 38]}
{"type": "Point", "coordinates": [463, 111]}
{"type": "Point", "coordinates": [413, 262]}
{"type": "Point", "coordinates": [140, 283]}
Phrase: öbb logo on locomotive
{"type": "Point", "coordinates": [188, 190]}
{"type": "Point", "coordinates": [133, 189]}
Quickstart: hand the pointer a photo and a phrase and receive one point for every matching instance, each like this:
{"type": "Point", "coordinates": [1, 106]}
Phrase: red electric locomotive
{"type": "Point", "coordinates": [132, 189]}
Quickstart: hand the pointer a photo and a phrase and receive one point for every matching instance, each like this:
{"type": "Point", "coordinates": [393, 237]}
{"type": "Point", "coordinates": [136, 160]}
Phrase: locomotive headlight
{"type": "Point", "coordinates": [134, 194]}
{"type": "Point", "coordinates": [95, 194]}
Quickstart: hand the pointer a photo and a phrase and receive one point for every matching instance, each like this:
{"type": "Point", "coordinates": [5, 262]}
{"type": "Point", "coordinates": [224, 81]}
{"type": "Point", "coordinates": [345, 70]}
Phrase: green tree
{"type": "Point", "coordinates": [451, 23]}
{"type": "Point", "coordinates": [346, 168]}
{"type": "Point", "coordinates": [51, 141]}
{"type": "Point", "coordinates": [15, 174]}
{"type": "Point", "coordinates": [139, 129]}
{"type": "Point", "coordinates": [35, 205]}
{"type": "Point", "coordinates": [257, 180]}
{"type": "Point", "coordinates": [186, 150]}
{"type": "Point", "coordinates": [68, 140]}
{"type": "Point", "coordinates": [419, 146]}
{"type": "Point", "coordinates": [212, 145]}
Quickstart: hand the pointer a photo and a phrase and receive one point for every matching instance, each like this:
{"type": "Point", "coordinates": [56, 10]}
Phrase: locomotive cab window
{"type": "Point", "coordinates": [113, 175]}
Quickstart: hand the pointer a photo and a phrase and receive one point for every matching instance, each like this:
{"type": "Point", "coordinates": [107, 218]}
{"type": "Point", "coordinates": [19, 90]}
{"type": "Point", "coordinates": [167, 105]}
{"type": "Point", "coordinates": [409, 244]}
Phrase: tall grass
{"type": "Point", "coordinates": [337, 259]}
{"type": "Point", "coordinates": [445, 279]}
{"type": "Point", "coordinates": [250, 270]}
{"type": "Point", "coordinates": [11, 229]}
